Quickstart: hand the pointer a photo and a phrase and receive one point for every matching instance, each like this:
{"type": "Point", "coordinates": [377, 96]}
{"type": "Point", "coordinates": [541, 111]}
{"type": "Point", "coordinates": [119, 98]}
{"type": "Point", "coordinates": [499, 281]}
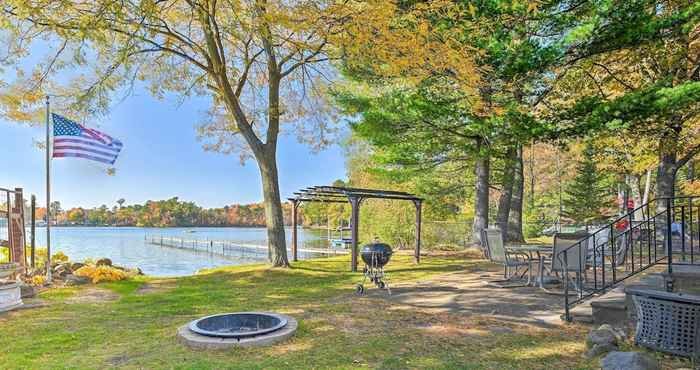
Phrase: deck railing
{"type": "Point", "coordinates": [661, 232]}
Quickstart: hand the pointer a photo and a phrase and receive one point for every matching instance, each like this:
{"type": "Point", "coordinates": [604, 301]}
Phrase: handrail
{"type": "Point", "coordinates": [635, 253]}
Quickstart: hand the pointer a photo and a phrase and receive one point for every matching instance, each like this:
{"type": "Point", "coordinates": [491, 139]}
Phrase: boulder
{"type": "Point", "coordinates": [629, 361]}
{"type": "Point", "coordinates": [104, 262]}
{"type": "Point", "coordinates": [73, 280]}
{"type": "Point", "coordinates": [76, 265]}
{"type": "Point", "coordinates": [605, 335]}
{"type": "Point", "coordinates": [598, 350]}
{"type": "Point", "coordinates": [61, 270]}
{"type": "Point", "coordinates": [27, 291]}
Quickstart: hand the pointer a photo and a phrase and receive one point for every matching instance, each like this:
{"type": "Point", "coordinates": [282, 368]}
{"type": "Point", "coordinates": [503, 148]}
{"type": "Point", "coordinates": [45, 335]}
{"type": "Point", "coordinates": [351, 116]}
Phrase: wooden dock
{"type": "Point", "coordinates": [230, 248]}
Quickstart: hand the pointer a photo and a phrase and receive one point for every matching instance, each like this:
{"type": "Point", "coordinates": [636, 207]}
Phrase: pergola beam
{"type": "Point", "coordinates": [354, 196]}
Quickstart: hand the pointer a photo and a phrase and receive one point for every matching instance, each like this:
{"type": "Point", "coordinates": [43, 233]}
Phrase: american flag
{"type": "Point", "coordinates": [74, 140]}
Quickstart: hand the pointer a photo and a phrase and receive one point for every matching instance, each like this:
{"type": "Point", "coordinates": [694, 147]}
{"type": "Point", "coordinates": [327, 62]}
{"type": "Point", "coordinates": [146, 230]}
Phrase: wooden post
{"type": "Point", "coordinates": [418, 204]}
{"type": "Point", "coordinates": [17, 231]}
{"type": "Point", "coordinates": [354, 226]}
{"type": "Point", "coordinates": [33, 239]}
{"type": "Point", "coordinates": [295, 205]}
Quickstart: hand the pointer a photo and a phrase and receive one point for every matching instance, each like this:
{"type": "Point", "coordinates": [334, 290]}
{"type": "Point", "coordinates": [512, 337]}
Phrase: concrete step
{"type": "Point", "coordinates": [582, 313]}
{"type": "Point", "coordinates": [610, 308]}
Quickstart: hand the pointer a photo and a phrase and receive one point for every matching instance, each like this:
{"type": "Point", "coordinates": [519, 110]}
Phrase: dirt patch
{"type": "Point", "coordinates": [156, 286]}
{"type": "Point", "coordinates": [118, 360]}
{"type": "Point", "coordinates": [93, 295]}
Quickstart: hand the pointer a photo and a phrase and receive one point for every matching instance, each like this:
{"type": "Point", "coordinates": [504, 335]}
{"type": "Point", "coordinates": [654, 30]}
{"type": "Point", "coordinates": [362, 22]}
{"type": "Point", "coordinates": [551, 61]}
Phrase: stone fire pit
{"type": "Point", "coordinates": [240, 329]}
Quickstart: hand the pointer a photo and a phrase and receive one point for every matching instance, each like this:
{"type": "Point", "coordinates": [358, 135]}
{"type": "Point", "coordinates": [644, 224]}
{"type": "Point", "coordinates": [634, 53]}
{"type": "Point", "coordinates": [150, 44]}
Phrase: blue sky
{"type": "Point", "coordinates": [161, 159]}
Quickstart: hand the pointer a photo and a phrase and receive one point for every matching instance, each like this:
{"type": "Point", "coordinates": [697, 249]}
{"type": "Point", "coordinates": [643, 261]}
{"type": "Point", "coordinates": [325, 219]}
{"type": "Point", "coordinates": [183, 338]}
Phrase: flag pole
{"type": "Point", "coordinates": [48, 192]}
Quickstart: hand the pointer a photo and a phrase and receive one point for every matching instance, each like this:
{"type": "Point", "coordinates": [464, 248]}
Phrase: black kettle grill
{"type": "Point", "coordinates": [375, 256]}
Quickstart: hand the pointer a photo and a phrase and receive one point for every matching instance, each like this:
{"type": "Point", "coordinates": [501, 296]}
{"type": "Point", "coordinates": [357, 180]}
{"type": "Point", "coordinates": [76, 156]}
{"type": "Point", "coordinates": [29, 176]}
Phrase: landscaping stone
{"type": "Point", "coordinates": [598, 350]}
{"type": "Point", "coordinates": [61, 270]}
{"type": "Point", "coordinates": [104, 262]}
{"type": "Point", "coordinates": [605, 335]}
{"type": "Point", "coordinates": [73, 280]}
{"type": "Point", "coordinates": [27, 291]}
{"type": "Point", "coordinates": [629, 361]}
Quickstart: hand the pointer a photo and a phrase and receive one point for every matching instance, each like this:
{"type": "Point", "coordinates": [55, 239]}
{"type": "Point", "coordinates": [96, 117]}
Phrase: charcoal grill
{"type": "Point", "coordinates": [375, 256]}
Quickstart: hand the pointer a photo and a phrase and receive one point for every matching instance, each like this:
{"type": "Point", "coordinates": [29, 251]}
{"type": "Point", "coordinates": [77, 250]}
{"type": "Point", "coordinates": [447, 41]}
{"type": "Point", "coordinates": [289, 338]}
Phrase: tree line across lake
{"type": "Point", "coordinates": [172, 212]}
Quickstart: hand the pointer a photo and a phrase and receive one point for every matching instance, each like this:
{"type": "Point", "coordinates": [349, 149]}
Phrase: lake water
{"type": "Point", "coordinates": [126, 246]}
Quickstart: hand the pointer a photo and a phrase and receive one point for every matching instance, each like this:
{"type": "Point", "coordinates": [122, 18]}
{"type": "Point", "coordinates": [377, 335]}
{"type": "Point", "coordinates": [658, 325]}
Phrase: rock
{"type": "Point", "coordinates": [603, 336]}
{"type": "Point", "coordinates": [620, 333]}
{"type": "Point", "coordinates": [76, 265]}
{"type": "Point", "coordinates": [104, 262]}
{"type": "Point", "coordinates": [598, 350]}
{"type": "Point", "coordinates": [61, 270]}
{"type": "Point", "coordinates": [73, 280]}
{"type": "Point", "coordinates": [629, 361]}
{"type": "Point", "coordinates": [27, 291]}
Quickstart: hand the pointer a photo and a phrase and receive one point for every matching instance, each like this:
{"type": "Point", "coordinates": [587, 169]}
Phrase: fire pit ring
{"type": "Point", "coordinates": [238, 324]}
{"type": "Point", "coordinates": [238, 329]}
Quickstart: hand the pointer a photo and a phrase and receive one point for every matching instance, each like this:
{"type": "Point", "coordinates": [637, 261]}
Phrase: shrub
{"type": "Point", "coordinates": [38, 280]}
{"type": "Point", "coordinates": [59, 257]}
{"type": "Point", "coordinates": [101, 273]}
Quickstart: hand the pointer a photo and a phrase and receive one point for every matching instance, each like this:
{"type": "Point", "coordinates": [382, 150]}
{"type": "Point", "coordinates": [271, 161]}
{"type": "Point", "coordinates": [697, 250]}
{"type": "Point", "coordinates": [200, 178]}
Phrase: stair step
{"type": "Point", "coordinates": [582, 313]}
{"type": "Point", "coordinates": [614, 299]}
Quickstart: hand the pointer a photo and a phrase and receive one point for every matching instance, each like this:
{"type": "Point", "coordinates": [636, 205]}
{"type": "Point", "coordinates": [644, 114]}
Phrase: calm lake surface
{"type": "Point", "coordinates": [126, 246]}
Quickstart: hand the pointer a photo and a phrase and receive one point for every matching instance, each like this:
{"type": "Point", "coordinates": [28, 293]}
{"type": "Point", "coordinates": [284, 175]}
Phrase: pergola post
{"type": "Point", "coordinates": [295, 206]}
{"type": "Point", "coordinates": [418, 204]}
{"type": "Point", "coordinates": [355, 196]}
{"type": "Point", "coordinates": [354, 226]}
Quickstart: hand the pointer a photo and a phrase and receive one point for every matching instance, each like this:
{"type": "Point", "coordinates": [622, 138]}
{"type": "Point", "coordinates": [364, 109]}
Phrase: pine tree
{"type": "Point", "coordinates": [585, 196]}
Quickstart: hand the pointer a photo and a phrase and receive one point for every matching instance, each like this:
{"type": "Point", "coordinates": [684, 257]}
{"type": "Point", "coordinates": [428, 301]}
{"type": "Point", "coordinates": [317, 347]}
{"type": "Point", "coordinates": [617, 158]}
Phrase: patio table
{"type": "Point", "coordinates": [541, 250]}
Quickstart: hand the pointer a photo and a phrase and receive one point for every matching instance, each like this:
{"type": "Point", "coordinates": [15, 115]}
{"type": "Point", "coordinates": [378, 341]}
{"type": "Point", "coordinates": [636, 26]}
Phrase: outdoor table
{"type": "Point", "coordinates": [541, 250]}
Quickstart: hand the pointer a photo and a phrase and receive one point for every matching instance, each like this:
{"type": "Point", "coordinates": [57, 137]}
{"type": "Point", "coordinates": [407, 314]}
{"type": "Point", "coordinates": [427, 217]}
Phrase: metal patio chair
{"type": "Point", "coordinates": [575, 261]}
{"type": "Point", "coordinates": [511, 261]}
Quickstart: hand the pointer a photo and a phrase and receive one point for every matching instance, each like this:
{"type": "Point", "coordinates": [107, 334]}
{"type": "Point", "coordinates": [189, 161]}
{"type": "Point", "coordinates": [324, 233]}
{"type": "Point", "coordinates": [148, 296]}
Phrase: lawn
{"type": "Point", "coordinates": [132, 324]}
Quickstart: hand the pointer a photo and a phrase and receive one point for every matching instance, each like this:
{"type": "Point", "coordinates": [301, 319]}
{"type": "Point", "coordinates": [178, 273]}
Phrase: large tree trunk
{"type": "Point", "coordinates": [515, 218]}
{"type": "Point", "coordinates": [665, 178]}
{"type": "Point", "coordinates": [506, 192]}
{"type": "Point", "coordinates": [274, 216]}
{"type": "Point", "coordinates": [481, 202]}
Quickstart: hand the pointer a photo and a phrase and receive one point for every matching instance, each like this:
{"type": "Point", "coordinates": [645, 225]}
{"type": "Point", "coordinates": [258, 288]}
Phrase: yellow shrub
{"type": "Point", "coordinates": [59, 257]}
{"type": "Point", "coordinates": [38, 280]}
{"type": "Point", "coordinates": [100, 273]}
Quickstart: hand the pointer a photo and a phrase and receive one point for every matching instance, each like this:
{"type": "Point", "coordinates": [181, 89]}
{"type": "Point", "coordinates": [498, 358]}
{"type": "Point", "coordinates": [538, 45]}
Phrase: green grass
{"type": "Point", "coordinates": [336, 330]}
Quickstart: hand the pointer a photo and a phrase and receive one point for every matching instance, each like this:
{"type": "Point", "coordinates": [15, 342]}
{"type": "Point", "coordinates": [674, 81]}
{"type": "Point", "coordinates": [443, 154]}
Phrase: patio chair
{"type": "Point", "coordinates": [511, 261]}
{"type": "Point", "coordinates": [576, 258]}
{"type": "Point", "coordinates": [615, 254]}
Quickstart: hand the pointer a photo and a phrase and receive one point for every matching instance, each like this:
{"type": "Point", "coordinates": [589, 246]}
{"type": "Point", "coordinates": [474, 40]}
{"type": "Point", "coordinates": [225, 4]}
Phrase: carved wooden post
{"type": "Point", "coordinates": [17, 241]}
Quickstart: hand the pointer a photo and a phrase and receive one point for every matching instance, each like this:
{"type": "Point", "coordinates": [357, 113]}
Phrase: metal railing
{"type": "Point", "coordinates": [661, 232]}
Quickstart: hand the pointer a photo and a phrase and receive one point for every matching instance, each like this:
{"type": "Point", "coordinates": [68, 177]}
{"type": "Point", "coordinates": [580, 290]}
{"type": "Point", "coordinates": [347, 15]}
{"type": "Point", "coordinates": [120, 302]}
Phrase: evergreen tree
{"type": "Point", "coordinates": [585, 196]}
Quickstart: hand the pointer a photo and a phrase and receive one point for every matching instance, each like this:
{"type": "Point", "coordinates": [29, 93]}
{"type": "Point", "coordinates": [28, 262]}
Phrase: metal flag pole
{"type": "Point", "coordinates": [48, 192]}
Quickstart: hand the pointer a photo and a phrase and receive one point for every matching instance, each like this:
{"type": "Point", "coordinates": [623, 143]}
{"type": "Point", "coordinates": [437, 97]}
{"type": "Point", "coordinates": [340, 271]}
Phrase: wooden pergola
{"type": "Point", "coordinates": [354, 196]}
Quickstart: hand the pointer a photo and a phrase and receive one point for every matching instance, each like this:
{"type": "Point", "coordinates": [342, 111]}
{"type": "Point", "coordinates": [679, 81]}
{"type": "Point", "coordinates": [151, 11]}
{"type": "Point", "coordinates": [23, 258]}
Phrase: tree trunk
{"type": "Point", "coordinates": [274, 217]}
{"type": "Point", "coordinates": [481, 203]}
{"type": "Point", "coordinates": [665, 178]}
{"type": "Point", "coordinates": [636, 193]}
{"type": "Point", "coordinates": [515, 218]}
{"type": "Point", "coordinates": [506, 192]}
{"type": "Point", "coordinates": [647, 187]}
